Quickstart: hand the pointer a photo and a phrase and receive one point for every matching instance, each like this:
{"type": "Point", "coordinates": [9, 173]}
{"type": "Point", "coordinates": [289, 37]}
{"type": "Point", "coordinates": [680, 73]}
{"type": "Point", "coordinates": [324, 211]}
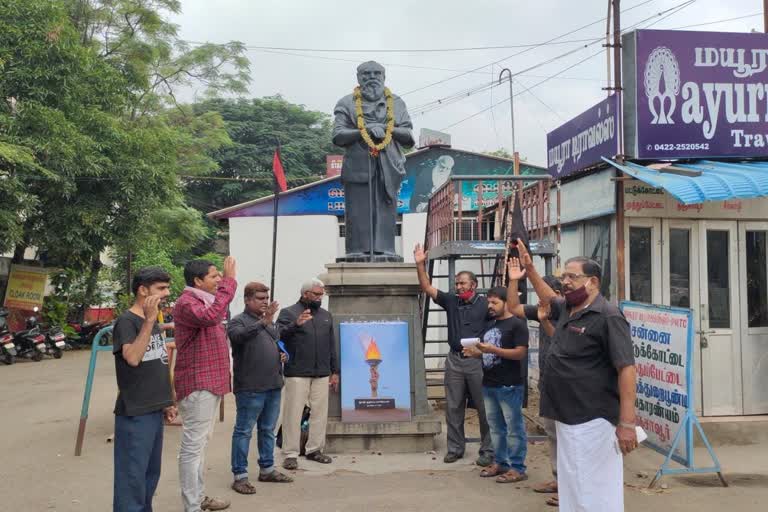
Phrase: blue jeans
{"type": "Point", "coordinates": [260, 409]}
{"type": "Point", "coordinates": [138, 454]}
{"type": "Point", "coordinates": [504, 410]}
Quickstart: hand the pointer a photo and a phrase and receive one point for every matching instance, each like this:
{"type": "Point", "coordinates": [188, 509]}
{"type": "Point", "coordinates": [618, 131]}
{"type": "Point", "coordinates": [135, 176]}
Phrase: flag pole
{"type": "Point", "coordinates": [274, 228]}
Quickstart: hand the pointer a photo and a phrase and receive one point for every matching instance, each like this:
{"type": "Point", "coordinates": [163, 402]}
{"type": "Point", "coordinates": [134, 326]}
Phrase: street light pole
{"type": "Point", "coordinates": [512, 103]}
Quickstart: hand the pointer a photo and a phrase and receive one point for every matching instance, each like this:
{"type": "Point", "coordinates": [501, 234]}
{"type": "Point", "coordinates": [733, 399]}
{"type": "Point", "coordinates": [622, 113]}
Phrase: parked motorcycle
{"type": "Point", "coordinates": [30, 342]}
{"type": "Point", "coordinates": [7, 347]}
{"type": "Point", "coordinates": [85, 334]}
{"type": "Point", "coordinates": [55, 342]}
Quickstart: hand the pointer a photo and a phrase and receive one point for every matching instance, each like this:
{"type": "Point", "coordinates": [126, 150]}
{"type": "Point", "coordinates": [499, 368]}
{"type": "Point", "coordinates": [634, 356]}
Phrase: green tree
{"type": "Point", "coordinates": [92, 142]}
{"type": "Point", "coordinates": [255, 127]}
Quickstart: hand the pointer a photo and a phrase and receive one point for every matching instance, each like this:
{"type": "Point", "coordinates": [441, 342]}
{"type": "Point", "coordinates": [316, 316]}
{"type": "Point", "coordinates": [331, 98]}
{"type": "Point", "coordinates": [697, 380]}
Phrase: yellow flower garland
{"type": "Point", "coordinates": [375, 148]}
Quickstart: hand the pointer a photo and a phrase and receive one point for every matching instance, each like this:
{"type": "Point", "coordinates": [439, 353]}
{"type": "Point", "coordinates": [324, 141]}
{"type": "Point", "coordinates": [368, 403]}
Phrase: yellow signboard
{"type": "Point", "coordinates": [26, 287]}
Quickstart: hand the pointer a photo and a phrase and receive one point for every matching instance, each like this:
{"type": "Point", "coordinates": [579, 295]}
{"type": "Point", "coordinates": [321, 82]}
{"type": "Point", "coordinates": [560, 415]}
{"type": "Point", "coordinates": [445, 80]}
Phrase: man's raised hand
{"type": "Point", "coordinates": [229, 267]}
{"type": "Point", "coordinates": [269, 314]}
{"type": "Point", "coordinates": [544, 309]}
{"type": "Point", "coordinates": [525, 256]}
{"type": "Point", "coordinates": [151, 307]}
{"type": "Point", "coordinates": [304, 317]}
{"type": "Point", "coordinates": [514, 271]}
{"type": "Point", "coordinates": [419, 254]}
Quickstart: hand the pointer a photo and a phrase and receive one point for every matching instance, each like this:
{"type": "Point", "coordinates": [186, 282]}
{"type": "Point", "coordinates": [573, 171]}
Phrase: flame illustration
{"type": "Point", "coordinates": [373, 352]}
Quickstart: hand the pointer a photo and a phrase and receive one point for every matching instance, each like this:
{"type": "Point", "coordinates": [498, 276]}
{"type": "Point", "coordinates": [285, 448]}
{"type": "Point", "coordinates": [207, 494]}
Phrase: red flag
{"type": "Point", "coordinates": [277, 169]}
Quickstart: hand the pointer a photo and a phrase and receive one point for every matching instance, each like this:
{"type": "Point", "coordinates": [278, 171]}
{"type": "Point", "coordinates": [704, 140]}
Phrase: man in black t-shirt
{"type": "Point", "coordinates": [466, 313]}
{"type": "Point", "coordinates": [503, 351]}
{"type": "Point", "coordinates": [144, 398]}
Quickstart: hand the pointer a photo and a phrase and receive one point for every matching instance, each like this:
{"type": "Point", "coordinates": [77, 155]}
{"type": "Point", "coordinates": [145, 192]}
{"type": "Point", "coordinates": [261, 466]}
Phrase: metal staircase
{"type": "Point", "coordinates": [477, 241]}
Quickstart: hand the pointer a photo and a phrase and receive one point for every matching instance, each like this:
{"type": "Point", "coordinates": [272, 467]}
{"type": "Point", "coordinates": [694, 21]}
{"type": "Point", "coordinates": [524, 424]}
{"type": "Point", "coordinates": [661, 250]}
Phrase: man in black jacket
{"type": "Point", "coordinates": [312, 367]}
{"type": "Point", "coordinates": [258, 379]}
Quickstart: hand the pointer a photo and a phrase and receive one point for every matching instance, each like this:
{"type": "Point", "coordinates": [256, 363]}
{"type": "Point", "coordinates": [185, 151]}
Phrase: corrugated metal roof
{"type": "Point", "coordinates": [704, 180]}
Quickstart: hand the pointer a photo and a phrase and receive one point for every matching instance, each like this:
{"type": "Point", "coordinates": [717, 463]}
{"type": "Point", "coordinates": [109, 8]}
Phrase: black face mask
{"type": "Point", "coordinates": [312, 305]}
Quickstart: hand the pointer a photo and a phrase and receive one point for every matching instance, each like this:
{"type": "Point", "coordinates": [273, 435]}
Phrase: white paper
{"type": "Point", "coordinates": [641, 435]}
{"type": "Point", "coordinates": [469, 342]}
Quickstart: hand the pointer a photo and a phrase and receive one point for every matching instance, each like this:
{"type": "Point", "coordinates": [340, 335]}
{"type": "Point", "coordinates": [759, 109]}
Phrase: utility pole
{"type": "Point", "coordinates": [765, 16]}
{"type": "Point", "coordinates": [512, 117]}
{"type": "Point", "coordinates": [617, 86]}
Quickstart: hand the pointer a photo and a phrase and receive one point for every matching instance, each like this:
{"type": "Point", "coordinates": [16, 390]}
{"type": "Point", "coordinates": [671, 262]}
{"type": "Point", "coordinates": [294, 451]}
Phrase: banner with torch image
{"type": "Point", "coordinates": [376, 372]}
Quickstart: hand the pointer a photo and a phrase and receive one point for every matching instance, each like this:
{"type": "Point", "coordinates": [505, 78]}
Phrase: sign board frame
{"type": "Point", "coordinates": [689, 420]}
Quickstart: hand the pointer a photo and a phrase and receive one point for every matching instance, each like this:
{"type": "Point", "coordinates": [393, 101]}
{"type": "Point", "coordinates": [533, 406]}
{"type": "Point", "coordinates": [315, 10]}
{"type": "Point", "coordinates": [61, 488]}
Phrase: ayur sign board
{"type": "Point", "coordinates": [695, 94]}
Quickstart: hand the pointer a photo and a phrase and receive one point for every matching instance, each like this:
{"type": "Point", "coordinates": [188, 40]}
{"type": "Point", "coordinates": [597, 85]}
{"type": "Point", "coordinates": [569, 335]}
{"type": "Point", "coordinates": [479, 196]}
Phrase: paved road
{"type": "Point", "coordinates": [40, 406]}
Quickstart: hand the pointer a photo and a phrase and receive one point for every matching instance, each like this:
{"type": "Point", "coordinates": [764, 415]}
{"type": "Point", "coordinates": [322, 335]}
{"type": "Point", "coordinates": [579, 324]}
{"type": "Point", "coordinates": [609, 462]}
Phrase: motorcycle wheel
{"type": "Point", "coordinates": [9, 359]}
{"type": "Point", "coordinates": [57, 353]}
{"type": "Point", "coordinates": [37, 356]}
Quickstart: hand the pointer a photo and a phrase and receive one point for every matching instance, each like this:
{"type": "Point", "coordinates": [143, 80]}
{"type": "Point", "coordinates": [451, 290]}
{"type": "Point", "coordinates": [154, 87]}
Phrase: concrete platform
{"type": "Point", "coordinates": [417, 435]}
{"type": "Point", "coordinates": [734, 430]}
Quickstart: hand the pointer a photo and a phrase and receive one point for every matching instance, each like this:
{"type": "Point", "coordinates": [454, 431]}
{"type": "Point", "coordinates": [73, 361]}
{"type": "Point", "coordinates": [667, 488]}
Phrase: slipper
{"type": "Point", "coordinates": [553, 502]}
{"type": "Point", "coordinates": [275, 476]}
{"type": "Point", "coordinates": [511, 476]}
{"type": "Point", "coordinates": [243, 486]}
{"type": "Point", "coordinates": [492, 470]}
{"type": "Point", "coordinates": [319, 457]}
{"type": "Point", "coordinates": [547, 488]}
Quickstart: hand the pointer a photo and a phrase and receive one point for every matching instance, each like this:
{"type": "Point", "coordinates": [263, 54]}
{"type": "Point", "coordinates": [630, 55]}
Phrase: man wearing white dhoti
{"type": "Point", "coordinates": [589, 386]}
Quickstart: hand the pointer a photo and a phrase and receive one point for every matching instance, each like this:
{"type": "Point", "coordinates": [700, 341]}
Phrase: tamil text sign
{"type": "Point", "coordinates": [584, 140]}
{"type": "Point", "coordinates": [696, 94]}
{"type": "Point", "coordinates": [662, 340]}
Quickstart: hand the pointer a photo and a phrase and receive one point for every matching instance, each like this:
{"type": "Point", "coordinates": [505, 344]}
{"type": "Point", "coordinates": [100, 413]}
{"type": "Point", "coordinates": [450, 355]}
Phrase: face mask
{"type": "Point", "coordinates": [465, 296]}
{"type": "Point", "coordinates": [577, 296]}
{"type": "Point", "coordinates": [313, 305]}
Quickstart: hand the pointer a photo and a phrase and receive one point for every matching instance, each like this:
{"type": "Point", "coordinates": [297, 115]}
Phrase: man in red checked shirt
{"type": "Point", "coordinates": [202, 373]}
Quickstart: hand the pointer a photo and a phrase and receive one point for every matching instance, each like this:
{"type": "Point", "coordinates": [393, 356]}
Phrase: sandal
{"type": "Point", "coordinates": [291, 463]}
{"type": "Point", "coordinates": [319, 457]}
{"type": "Point", "coordinates": [547, 488]}
{"type": "Point", "coordinates": [492, 470]}
{"type": "Point", "coordinates": [553, 502]}
{"type": "Point", "coordinates": [243, 486]}
{"type": "Point", "coordinates": [511, 476]}
{"type": "Point", "coordinates": [275, 476]}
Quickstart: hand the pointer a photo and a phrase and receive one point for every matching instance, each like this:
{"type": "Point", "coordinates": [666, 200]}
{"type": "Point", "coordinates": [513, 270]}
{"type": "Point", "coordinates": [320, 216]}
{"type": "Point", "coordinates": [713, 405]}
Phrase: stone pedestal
{"type": "Point", "coordinates": [380, 292]}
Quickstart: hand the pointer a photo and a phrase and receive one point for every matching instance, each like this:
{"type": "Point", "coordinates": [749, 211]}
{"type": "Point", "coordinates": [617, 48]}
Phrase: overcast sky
{"type": "Point", "coordinates": [318, 79]}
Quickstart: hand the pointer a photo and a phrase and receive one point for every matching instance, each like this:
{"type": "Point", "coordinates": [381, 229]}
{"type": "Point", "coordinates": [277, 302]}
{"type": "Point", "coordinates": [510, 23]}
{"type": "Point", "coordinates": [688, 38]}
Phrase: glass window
{"type": "Point", "coordinates": [640, 265]}
{"type": "Point", "coordinates": [680, 268]}
{"type": "Point", "coordinates": [597, 246]}
{"type": "Point", "coordinates": [718, 280]}
{"type": "Point", "coordinates": [757, 281]}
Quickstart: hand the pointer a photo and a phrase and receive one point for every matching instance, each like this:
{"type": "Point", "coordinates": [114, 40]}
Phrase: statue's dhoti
{"type": "Point", "coordinates": [357, 202]}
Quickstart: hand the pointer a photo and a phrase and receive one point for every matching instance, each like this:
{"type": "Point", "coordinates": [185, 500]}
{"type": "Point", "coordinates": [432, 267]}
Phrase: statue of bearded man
{"type": "Point", "coordinates": [371, 179]}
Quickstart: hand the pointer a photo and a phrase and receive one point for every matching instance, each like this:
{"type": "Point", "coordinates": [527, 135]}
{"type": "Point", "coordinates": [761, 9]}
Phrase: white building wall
{"type": "Point", "coordinates": [304, 245]}
{"type": "Point", "coordinates": [414, 229]}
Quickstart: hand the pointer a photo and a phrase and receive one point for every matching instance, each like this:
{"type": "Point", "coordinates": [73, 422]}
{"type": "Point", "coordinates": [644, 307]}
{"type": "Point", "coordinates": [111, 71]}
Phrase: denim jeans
{"type": "Point", "coordinates": [138, 453]}
{"type": "Point", "coordinates": [259, 409]}
{"type": "Point", "coordinates": [504, 410]}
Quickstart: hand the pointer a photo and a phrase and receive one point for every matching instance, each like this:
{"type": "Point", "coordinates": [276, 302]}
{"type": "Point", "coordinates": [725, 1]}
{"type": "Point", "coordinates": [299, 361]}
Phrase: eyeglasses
{"type": "Point", "coordinates": [316, 294]}
{"type": "Point", "coordinates": [570, 276]}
